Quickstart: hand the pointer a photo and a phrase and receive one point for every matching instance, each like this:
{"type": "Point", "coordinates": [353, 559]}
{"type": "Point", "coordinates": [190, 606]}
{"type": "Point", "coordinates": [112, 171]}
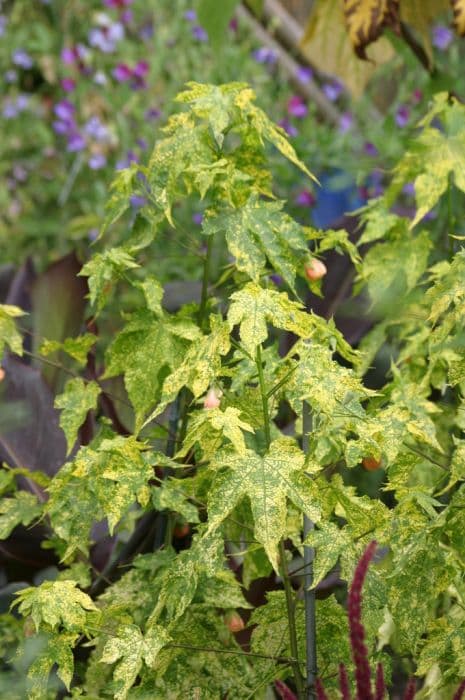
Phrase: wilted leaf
{"type": "Point", "coordinates": [366, 20]}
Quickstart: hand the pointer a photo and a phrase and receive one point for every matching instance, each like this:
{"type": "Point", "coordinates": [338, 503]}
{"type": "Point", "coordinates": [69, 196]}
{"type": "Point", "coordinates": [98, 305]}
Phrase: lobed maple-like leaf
{"type": "Point", "coordinates": [266, 482]}
{"type": "Point", "coordinates": [103, 270]}
{"type": "Point", "coordinates": [77, 348]}
{"type": "Point", "coordinates": [78, 398]}
{"type": "Point", "coordinates": [129, 650]}
{"type": "Point", "coordinates": [208, 428]}
{"type": "Point", "coordinates": [56, 604]}
{"type": "Point", "coordinates": [58, 650]}
{"type": "Point", "coordinates": [20, 509]}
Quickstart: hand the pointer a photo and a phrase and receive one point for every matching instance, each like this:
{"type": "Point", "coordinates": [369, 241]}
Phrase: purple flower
{"type": "Point", "coordinates": [199, 33]}
{"type": "Point", "coordinates": [68, 84]}
{"type": "Point", "coordinates": [19, 173]}
{"type": "Point", "coordinates": [10, 110]}
{"type": "Point", "coordinates": [22, 101]}
{"type": "Point", "coordinates": [137, 201]}
{"type": "Point", "coordinates": [442, 37]}
{"type": "Point", "coordinates": [370, 149]}
{"type": "Point", "coordinates": [63, 127]}
{"type": "Point", "coordinates": [417, 96]}
{"type": "Point", "coordinates": [265, 55]}
{"type": "Point", "coordinates": [233, 24]}
{"type": "Point", "coordinates": [105, 38]}
{"type": "Point", "coordinates": [141, 69]}
{"type": "Point", "coordinates": [64, 110]}
{"type": "Point", "coordinates": [68, 55]}
{"type": "Point", "coordinates": [97, 161]}
{"type": "Point", "coordinates": [402, 116]}
{"type": "Point", "coordinates": [409, 189]}
{"type": "Point", "coordinates": [75, 142]}
{"type": "Point", "coordinates": [304, 74]}
{"type": "Point", "coordinates": [96, 130]}
{"type": "Point", "coordinates": [92, 234]}
{"type": "Point", "coordinates": [146, 31]}
{"type": "Point", "coordinates": [22, 59]}
{"type": "Point", "coordinates": [288, 127]}
{"type": "Point", "coordinates": [197, 218]}
{"type": "Point", "coordinates": [117, 4]}
{"type": "Point", "coordinates": [346, 122]}
{"type": "Point", "coordinates": [126, 17]}
{"type": "Point", "coordinates": [71, 55]}
{"type": "Point", "coordinates": [190, 15]}
{"type": "Point", "coordinates": [122, 72]}
{"type": "Point", "coordinates": [11, 76]}
{"type": "Point", "coordinates": [124, 163]}
{"type": "Point", "coordinates": [305, 198]}
{"type": "Point", "coordinates": [277, 280]}
{"type": "Point", "coordinates": [151, 114]}
{"type": "Point", "coordinates": [142, 143]}
{"type": "Point", "coordinates": [296, 107]}
{"type": "Point", "coordinates": [333, 90]}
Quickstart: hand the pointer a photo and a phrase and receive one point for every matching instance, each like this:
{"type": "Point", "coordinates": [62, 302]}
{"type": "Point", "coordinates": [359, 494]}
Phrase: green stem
{"type": "Point", "coordinates": [205, 282]}
{"type": "Point", "coordinates": [261, 381]}
{"type": "Point", "coordinates": [299, 681]}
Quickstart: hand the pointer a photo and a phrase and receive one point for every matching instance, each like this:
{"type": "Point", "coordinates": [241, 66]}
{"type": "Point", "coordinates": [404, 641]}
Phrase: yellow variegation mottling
{"type": "Point", "coordinates": [8, 332]}
{"type": "Point", "coordinates": [267, 482]}
{"type": "Point", "coordinates": [75, 402]}
{"type": "Point", "coordinates": [22, 508]}
{"type": "Point", "coordinates": [366, 20]}
{"type": "Point", "coordinates": [56, 604]}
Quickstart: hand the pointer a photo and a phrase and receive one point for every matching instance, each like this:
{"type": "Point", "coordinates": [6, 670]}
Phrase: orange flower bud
{"type": "Point", "coordinates": [212, 399]}
{"type": "Point", "coordinates": [315, 269]}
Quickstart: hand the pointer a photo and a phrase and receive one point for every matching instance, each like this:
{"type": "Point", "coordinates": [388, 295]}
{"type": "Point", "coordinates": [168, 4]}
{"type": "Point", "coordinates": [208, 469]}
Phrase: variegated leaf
{"type": "Point", "coordinates": [366, 20]}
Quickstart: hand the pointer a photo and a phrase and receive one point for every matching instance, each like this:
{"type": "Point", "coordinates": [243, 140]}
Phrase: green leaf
{"type": "Point", "coordinates": [103, 270]}
{"type": "Point", "coordinates": [209, 425]}
{"type": "Point", "coordinates": [58, 650]}
{"type": "Point", "coordinates": [260, 230]}
{"type": "Point", "coordinates": [108, 479]}
{"type": "Point", "coordinates": [144, 351]}
{"type": "Point", "coordinates": [253, 307]}
{"type": "Point", "coordinates": [131, 649]}
{"type": "Point", "coordinates": [153, 292]}
{"type": "Point", "coordinates": [55, 604]}
{"type": "Point", "coordinates": [169, 495]}
{"type": "Point", "coordinates": [8, 332]}
{"type": "Point", "coordinates": [77, 348]}
{"type": "Point", "coordinates": [75, 402]}
{"type": "Point", "coordinates": [199, 368]}
{"type": "Point", "coordinates": [329, 542]}
{"type": "Point", "coordinates": [266, 482]}
{"type": "Point", "coordinates": [20, 509]}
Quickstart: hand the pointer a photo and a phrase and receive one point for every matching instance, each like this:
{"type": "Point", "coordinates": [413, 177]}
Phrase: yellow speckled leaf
{"type": "Point", "coordinates": [366, 20]}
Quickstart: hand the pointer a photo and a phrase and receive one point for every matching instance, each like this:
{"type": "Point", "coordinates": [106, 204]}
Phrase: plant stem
{"type": "Point", "coordinates": [205, 282]}
{"type": "Point", "coordinates": [261, 380]}
{"type": "Point", "coordinates": [290, 606]}
{"type": "Point", "coordinates": [309, 593]}
{"type": "Point", "coordinates": [299, 681]}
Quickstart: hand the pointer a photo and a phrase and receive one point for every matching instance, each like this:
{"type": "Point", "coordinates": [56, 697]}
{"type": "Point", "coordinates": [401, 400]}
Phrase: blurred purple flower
{"type": "Point", "coordinates": [75, 142]}
{"type": "Point", "coordinates": [151, 114]}
{"type": "Point", "coordinates": [117, 4]}
{"type": "Point", "coordinates": [277, 280]}
{"type": "Point", "coordinates": [3, 23]}
{"type": "Point", "coordinates": [409, 189]}
{"type": "Point", "coordinates": [96, 130]}
{"type": "Point", "coordinates": [97, 161]}
{"type": "Point", "coordinates": [197, 218]}
{"type": "Point", "coordinates": [141, 69]}
{"type": "Point", "coordinates": [125, 162]}
{"type": "Point", "coordinates": [333, 90]}
{"type": "Point", "coordinates": [305, 198]}
{"type": "Point", "coordinates": [233, 24]}
{"type": "Point", "coordinates": [106, 37]}
{"type": "Point", "coordinates": [265, 55]}
{"type": "Point", "coordinates": [289, 128]}
{"type": "Point", "coordinates": [122, 72]}
{"type": "Point", "coordinates": [137, 201]}
{"type": "Point", "coordinates": [22, 102]}
{"type": "Point", "coordinates": [9, 110]}
{"type": "Point", "coordinates": [71, 55]}
{"type": "Point", "coordinates": [126, 17]}
{"type": "Point", "coordinates": [296, 107]}
{"type": "Point", "coordinates": [19, 172]}
{"type": "Point", "coordinates": [92, 234]}
{"type": "Point", "coordinates": [11, 76]}
{"type": "Point", "coordinates": [190, 15]}
{"type": "Point", "coordinates": [417, 96]}
{"type": "Point", "coordinates": [146, 31]}
{"type": "Point", "coordinates": [442, 37]}
{"type": "Point", "coordinates": [199, 33]}
{"type": "Point", "coordinates": [68, 84]}
{"type": "Point", "coordinates": [142, 143]}
{"type": "Point", "coordinates": [63, 127]}
{"type": "Point", "coordinates": [64, 110]}
{"type": "Point", "coordinates": [304, 74]}
{"type": "Point", "coordinates": [346, 122]}
{"type": "Point", "coordinates": [21, 58]}
{"type": "Point", "coordinates": [370, 149]}
{"type": "Point", "coordinates": [402, 116]}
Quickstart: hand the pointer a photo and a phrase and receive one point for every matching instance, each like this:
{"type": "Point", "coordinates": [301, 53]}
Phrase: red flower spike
{"type": "Point", "coordinates": [460, 691]}
{"type": "Point", "coordinates": [320, 690]}
{"type": "Point", "coordinates": [344, 683]}
{"type": "Point", "coordinates": [283, 691]}
{"type": "Point", "coordinates": [380, 691]}
{"type": "Point", "coordinates": [410, 689]}
{"type": "Point", "coordinates": [356, 630]}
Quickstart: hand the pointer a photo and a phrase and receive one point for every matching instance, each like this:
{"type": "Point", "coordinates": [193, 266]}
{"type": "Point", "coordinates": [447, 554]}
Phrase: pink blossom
{"type": "Point", "coordinates": [296, 107]}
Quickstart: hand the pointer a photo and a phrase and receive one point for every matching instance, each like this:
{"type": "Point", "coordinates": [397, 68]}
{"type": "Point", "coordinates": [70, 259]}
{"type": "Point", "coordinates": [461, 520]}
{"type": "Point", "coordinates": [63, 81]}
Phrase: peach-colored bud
{"type": "Point", "coordinates": [212, 400]}
{"type": "Point", "coordinates": [315, 269]}
{"type": "Point", "coordinates": [234, 622]}
{"type": "Point", "coordinates": [2, 374]}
